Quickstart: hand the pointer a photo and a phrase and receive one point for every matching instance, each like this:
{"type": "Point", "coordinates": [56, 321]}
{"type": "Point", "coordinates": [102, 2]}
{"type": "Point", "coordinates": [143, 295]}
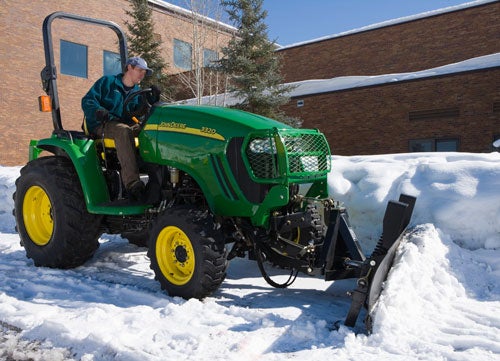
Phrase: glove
{"type": "Point", "coordinates": [136, 129]}
{"type": "Point", "coordinates": [154, 95]}
{"type": "Point", "coordinates": [102, 115]}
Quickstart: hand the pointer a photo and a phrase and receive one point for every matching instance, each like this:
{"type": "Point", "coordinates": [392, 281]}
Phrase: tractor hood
{"type": "Point", "coordinates": [243, 160]}
{"type": "Point", "coordinates": [208, 121]}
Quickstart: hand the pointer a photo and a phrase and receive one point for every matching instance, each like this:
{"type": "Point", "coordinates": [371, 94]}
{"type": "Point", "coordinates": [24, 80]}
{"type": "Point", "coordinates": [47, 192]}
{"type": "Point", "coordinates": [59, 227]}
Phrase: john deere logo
{"type": "Point", "coordinates": [171, 125]}
{"type": "Point", "coordinates": [205, 132]}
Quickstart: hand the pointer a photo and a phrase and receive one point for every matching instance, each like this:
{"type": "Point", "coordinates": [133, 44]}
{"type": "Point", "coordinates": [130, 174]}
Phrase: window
{"type": "Point", "coordinates": [446, 145]}
{"type": "Point", "coordinates": [209, 58]}
{"type": "Point", "coordinates": [182, 54]}
{"type": "Point", "coordinates": [433, 145]}
{"type": "Point", "coordinates": [111, 63]}
{"type": "Point", "coordinates": [422, 145]}
{"type": "Point", "coordinates": [73, 59]}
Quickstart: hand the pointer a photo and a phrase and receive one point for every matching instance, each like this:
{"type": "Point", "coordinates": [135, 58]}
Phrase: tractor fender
{"type": "Point", "coordinates": [83, 155]}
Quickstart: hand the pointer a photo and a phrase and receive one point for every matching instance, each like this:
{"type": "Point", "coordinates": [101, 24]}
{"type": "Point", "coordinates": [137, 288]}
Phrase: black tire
{"type": "Point", "coordinates": [185, 256]}
{"type": "Point", "coordinates": [51, 216]}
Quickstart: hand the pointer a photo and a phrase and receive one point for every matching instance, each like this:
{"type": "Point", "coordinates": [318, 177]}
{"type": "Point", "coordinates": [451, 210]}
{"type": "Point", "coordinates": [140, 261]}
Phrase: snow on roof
{"type": "Point", "coordinates": [316, 86]}
{"type": "Point", "coordinates": [392, 22]}
{"type": "Point", "coordinates": [188, 13]}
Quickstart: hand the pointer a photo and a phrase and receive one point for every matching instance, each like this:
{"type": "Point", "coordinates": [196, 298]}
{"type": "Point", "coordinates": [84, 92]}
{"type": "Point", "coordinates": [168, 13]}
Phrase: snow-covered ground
{"type": "Point", "coordinates": [441, 301]}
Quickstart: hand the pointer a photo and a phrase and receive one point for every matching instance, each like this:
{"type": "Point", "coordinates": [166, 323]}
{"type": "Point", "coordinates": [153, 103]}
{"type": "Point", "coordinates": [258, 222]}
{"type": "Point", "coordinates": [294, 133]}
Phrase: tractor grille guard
{"type": "Point", "coordinates": [296, 155]}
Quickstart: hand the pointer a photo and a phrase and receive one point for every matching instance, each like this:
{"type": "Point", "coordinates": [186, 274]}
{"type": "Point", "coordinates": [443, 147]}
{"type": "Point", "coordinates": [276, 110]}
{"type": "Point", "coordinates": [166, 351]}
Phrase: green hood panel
{"type": "Point", "coordinates": [244, 163]}
{"type": "Point", "coordinates": [206, 142]}
{"type": "Point", "coordinates": [222, 120]}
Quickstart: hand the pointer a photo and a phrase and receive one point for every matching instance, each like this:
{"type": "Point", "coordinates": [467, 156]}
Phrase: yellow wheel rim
{"type": "Point", "coordinates": [37, 215]}
{"type": "Point", "coordinates": [297, 236]}
{"type": "Point", "coordinates": [175, 255]}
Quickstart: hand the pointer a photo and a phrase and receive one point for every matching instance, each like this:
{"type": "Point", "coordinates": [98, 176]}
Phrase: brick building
{"type": "Point", "coordinates": [408, 44]}
{"type": "Point", "coordinates": [441, 113]}
{"type": "Point", "coordinates": [22, 60]}
{"type": "Point", "coordinates": [457, 111]}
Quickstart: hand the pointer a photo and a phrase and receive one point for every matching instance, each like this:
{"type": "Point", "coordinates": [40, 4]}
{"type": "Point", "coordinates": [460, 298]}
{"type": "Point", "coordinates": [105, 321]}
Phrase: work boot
{"type": "Point", "coordinates": [135, 190]}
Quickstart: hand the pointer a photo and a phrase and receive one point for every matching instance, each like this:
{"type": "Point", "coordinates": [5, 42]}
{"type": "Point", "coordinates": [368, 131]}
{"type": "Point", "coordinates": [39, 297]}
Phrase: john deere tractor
{"type": "Point", "coordinates": [220, 183]}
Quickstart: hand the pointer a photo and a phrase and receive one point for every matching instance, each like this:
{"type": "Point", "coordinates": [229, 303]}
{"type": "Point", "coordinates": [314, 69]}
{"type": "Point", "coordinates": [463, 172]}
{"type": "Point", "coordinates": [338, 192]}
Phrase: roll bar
{"type": "Point", "coordinates": [48, 73]}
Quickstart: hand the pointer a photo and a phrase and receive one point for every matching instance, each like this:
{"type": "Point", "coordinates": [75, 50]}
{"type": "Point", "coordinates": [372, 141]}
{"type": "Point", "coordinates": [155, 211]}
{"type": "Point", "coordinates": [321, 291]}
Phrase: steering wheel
{"type": "Point", "coordinates": [144, 104]}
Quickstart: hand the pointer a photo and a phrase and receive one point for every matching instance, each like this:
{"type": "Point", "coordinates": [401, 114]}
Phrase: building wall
{"type": "Point", "coordinates": [375, 119]}
{"type": "Point", "coordinates": [405, 47]}
{"type": "Point", "coordinates": [22, 60]}
{"type": "Point", "coordinates": [359, 121]}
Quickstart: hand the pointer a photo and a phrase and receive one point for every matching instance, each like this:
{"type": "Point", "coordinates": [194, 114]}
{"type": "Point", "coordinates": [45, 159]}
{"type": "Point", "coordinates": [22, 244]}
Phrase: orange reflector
{"type": "Point", "coordinates": [135, 120]}
{"type": "Point", "coordinates": [44, 103]}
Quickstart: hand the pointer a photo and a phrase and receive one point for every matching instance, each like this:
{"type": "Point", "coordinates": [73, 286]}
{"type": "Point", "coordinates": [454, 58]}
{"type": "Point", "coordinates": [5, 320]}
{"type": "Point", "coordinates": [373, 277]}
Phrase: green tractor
{"type": "Point", "coordinates": [220, 183]}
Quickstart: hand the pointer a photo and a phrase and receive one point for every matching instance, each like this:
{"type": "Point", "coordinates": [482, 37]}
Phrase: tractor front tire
{"type": "Point", "coordinates": [185, 256]}
{"type": "Point", "coordinates": [51, 216]}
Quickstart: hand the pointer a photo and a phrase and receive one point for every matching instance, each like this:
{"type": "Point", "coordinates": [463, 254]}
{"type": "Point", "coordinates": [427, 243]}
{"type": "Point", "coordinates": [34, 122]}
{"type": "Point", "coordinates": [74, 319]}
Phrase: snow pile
{"type": "Point", "coordinates": [441, 301]}
{"type": "Point", "coordinates": [455, 191]}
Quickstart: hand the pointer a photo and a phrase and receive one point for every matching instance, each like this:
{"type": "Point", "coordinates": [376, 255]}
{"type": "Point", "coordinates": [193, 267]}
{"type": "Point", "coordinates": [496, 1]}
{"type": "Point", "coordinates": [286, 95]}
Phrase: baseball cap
{"type": "Point", "coordinates": [140, 62]}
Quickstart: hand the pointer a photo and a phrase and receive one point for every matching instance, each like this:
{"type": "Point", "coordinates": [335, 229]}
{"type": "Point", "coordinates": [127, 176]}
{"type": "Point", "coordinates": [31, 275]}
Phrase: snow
{"type": "Point", "coordinates": [189, 13]}
{"type": "Point", "coordinates": [318, 86]}
{"type": "Point", "coordinates": [441, 300]}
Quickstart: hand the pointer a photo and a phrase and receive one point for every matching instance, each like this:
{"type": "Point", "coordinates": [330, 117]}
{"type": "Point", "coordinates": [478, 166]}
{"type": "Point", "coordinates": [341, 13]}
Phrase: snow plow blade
{"type": "Point", "coordinates": [375, 268]}
{"type": "Point", "coordinates": [345, 259]}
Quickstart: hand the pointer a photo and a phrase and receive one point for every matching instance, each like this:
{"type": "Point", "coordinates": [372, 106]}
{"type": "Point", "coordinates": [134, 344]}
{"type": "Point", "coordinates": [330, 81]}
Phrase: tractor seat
{"type": "Point", "coordinates": [108, 143]}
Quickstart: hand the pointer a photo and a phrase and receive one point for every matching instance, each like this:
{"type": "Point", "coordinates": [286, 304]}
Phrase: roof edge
{"type": "Point", "coordinates": [387, 23]}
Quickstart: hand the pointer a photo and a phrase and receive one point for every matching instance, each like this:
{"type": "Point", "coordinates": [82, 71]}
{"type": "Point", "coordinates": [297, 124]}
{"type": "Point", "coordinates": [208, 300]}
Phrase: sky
{"type": "Point", "coordinates": [441, 300]}
{"type": "Point", "coordinates": [293, 21]}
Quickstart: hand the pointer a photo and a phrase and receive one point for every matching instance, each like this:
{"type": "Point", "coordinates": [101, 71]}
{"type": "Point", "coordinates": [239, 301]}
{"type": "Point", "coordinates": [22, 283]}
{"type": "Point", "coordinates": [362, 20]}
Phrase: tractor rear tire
{"type": "Point", "coordinates": [185, 255]}
{"type": "Point", "coordinates": [51, 216]}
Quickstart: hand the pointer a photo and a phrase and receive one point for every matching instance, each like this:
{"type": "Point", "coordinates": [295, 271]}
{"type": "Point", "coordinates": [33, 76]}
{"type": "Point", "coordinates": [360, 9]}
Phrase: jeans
{"type": "Point", "coordinates": [123, 135]}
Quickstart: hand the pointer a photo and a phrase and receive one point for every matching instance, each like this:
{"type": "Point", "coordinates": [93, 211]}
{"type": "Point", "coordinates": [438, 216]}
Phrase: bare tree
{"type": "Point", "coordinates": [204, 78]}
{"type": "Point", "coordinates": [142, 42]}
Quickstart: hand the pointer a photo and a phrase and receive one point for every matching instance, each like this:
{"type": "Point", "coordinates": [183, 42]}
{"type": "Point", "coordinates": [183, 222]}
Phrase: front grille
{"type": "Point", "coordinates": [262, 156]}
{"type": "Point", "coordinates": [299, 154]}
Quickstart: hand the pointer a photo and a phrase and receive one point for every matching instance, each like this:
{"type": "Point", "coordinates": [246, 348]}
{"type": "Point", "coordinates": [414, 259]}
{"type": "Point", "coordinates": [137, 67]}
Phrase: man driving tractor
{"type": "Point", "coordinates": [103, 106]}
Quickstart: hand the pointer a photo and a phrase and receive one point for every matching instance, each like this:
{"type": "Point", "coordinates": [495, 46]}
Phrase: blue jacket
{"type": "Point", "coordinates": [109, 93]}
